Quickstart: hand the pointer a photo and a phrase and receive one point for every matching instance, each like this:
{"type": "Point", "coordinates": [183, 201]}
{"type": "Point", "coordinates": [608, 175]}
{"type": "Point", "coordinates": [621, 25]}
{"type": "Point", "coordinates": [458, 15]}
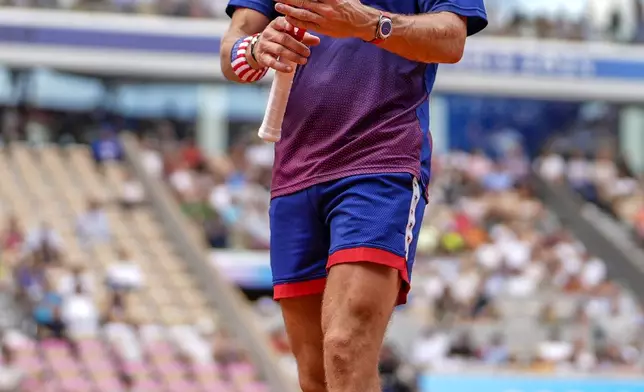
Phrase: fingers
{"type": "Point", "coordinates": [267, 60]}
{"type": "Point", "coordinates": [280, 24]}
{"type": "Point", "coordinates": [277, 47]}
{"type": "Point", "coordinates": [284, 53]}
{"type": "Point", "coordinates": [303, 25]}
{"type": "Point", "coordinates": [299, 13]}
{"type": "Point", "coordinates": [314, 6]}
{"type": "Point", "coordinates": [286, 41]}
{"type": "Point", "coordinates": [310, 40]}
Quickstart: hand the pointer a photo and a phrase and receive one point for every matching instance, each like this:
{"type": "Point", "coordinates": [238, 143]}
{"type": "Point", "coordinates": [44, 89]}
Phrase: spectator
{"type": "Point", "coordinates": [77, 276]}
{"type": "Point", "coordinates": [30, 279]}
{"type": "Point", "coordinates": [221, 200]}
{"type": "Point", "coordinates": [605, 169]}
{"type": "Point", "coordinates": [593, 272]}
{"type": "Point", "coordinates": [37, 130]}
{"type": "Point", "coordinates": [583, 359]}
{"type": "Point", "coordinates": [480, 165]}
{"type": "Point", "coordinates": [132, 192]}
{"type": "Point", "coordinates": [489, 256]}
{"type": "Point", "coordinates": [463, 347]}
{"type": "Point", "coordinates": [498, 179]}
{"type": "Point", "coordinates": [79, 314]}
{"type": "Point", "coordinates": [151, 159]}
{"type": "Point", "coordinates": [11, 375]}
{"type": "Point", "coordinates": [12, 235]}
{"type": "Point", "coordinates": [260, 155]}
{"type": "Point", "coordinates": [44, 239]}
{"type": "Point", "coordinates": [224, 350]}
{"type": "Point", "coordinates": [608, 355]}
{"type": "Point", "coordinates": [555, 349]}
{"type": "Point", "coordinates": [622, 186]}
{"type": "Point", "coordinates": [254, 220]}
{"type": "Point", "coordinates": [115, 311]}
{"type": "Point", "coordinates": [216, 232]}
{"type": "Point", "coordinates": [551, 167]}
{"type": "Point", "coordinates": [93, 227]}
{"type": "Point", "coordinates": [124, 274]}
{"type": "Point", "coordinates": [517, 164]}
{"type": "Point", "coordinates": [196, 208]}
{"type": "Point", "coordinates": [190, 153]}
{"type": "Point", "coordinates": [496, 352]}
{"type": "Point", "coordinates": [579, 171]}
{"type": "Point", "coordinates": [182, 180]}
{"type": "Point", "coordinates": [47, 312]}
{"type": "Point", "coordinates": [107, 147]}
{"type": "Point", "coordinates": [465, 287]}
{"type": "Point", "coordinates": [432, 349]}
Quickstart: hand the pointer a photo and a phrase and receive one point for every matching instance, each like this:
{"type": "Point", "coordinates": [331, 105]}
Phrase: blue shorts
{"type": "Point", "coordinates": [367, 218]}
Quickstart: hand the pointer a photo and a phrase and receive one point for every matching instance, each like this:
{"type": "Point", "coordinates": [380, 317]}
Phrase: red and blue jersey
{"type": "Point", "coordinates": [356, 108]}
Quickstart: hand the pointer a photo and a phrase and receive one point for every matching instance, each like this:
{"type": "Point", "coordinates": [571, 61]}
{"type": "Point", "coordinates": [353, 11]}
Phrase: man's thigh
{"type": "Point", "coordinates": [299, 246]}
{"type": "Point", "coordinates": [375, 219]}
{"type": "Point", "coordinates": [299, 251]}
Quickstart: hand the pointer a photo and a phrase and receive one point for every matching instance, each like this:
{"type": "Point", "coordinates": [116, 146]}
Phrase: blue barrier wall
{"type": "Point", "coordinates": [467, 383]}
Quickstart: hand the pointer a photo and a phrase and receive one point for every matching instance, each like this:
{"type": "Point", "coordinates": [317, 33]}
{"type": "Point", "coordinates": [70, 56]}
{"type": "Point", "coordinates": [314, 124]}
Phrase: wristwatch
{"type": "Point", "coordinates": [253, 43]}
{"type": "Point", "coordinates": [384, 29]}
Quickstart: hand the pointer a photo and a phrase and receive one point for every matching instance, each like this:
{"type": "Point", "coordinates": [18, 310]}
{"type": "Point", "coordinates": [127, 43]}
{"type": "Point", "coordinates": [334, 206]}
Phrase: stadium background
{"type": "Point", "coordinates": [133, 207]}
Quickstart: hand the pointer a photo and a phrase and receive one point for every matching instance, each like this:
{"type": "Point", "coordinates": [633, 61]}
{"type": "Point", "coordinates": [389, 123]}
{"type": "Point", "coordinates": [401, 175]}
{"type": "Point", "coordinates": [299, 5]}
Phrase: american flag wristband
{"type": "Point", "coordinates": [239, 62]}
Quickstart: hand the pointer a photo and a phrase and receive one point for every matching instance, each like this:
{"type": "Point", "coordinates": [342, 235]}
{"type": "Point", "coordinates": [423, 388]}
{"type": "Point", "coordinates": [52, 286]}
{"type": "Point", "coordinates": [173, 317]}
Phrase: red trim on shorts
{"type": "Point", "coordinates": [376, 256]}
{"type": "Point", "coordinates": [299, 289]}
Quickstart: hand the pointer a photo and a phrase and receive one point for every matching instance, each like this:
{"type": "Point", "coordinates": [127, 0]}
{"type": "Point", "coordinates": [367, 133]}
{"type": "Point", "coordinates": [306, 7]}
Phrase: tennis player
{"type": "Point", "coordinates": [352, 168]}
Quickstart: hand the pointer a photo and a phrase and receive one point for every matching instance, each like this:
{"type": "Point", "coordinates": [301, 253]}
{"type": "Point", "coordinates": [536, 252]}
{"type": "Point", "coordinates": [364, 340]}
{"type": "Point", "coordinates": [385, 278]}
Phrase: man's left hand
{"type": "Point", "coordinates": [335, 18]}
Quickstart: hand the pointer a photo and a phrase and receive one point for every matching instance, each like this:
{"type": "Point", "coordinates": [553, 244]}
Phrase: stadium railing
{"type": "Point", "coordinates": [234, 310]}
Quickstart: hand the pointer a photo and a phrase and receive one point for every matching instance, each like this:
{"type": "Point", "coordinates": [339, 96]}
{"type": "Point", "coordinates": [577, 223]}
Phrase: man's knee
{"type": "Point", "coordinates": [348, 333]}
{"type": "Point", "coordinates": [339, 352]}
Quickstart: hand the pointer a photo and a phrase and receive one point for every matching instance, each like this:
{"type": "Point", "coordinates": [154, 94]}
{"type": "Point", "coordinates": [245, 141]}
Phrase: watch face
{"type": "Point", "coordinates": [385, 28]}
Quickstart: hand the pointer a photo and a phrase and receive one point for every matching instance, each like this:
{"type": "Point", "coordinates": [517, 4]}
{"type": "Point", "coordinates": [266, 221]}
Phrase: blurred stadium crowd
{"type": "Point", "coordinates": [498, 282]}
{"type": "Point", "coordinates": [94, 297]}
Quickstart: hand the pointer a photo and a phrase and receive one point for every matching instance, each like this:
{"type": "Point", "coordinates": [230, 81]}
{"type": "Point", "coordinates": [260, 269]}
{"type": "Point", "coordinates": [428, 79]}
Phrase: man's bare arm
{"type": "Point", "coordinates": [427, 38]}
{"type": "Point", "coordinates": [245, 22]}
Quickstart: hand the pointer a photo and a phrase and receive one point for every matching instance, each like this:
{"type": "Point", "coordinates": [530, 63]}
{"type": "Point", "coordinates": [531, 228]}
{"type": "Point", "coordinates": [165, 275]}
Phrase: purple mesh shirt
{"type": "Point", "coordinates": [356, 108]}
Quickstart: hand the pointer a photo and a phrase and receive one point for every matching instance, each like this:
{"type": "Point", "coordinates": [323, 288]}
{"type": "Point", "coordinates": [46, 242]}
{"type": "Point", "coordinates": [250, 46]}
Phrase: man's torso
{"type": "Point", "coordinates": [354, 109]}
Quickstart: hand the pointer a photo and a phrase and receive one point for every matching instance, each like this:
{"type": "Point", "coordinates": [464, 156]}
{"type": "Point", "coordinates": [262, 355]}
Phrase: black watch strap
{"type": "Point", "coordinates": [253, 43]}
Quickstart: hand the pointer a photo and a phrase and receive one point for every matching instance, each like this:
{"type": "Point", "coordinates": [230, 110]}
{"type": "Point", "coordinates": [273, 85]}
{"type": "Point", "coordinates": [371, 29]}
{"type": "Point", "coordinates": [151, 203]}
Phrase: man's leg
{"type": "Point", "coordinates": [358, 303]}
{"type": "Point", "coordinates": [374, 221]}
{"type": "Point", "coordinates": [299, 251]}
{"type": "Point", "coordinates": [303, 326]}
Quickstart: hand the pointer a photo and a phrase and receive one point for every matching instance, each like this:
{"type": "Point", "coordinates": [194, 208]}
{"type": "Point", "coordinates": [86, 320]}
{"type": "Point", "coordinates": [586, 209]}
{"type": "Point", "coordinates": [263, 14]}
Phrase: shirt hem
{"type": "Point", "coordinates": [315, 180]}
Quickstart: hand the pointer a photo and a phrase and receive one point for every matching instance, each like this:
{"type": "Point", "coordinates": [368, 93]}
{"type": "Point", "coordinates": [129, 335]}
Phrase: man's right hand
{"type": "Point", "coordinates": [277, 46]}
